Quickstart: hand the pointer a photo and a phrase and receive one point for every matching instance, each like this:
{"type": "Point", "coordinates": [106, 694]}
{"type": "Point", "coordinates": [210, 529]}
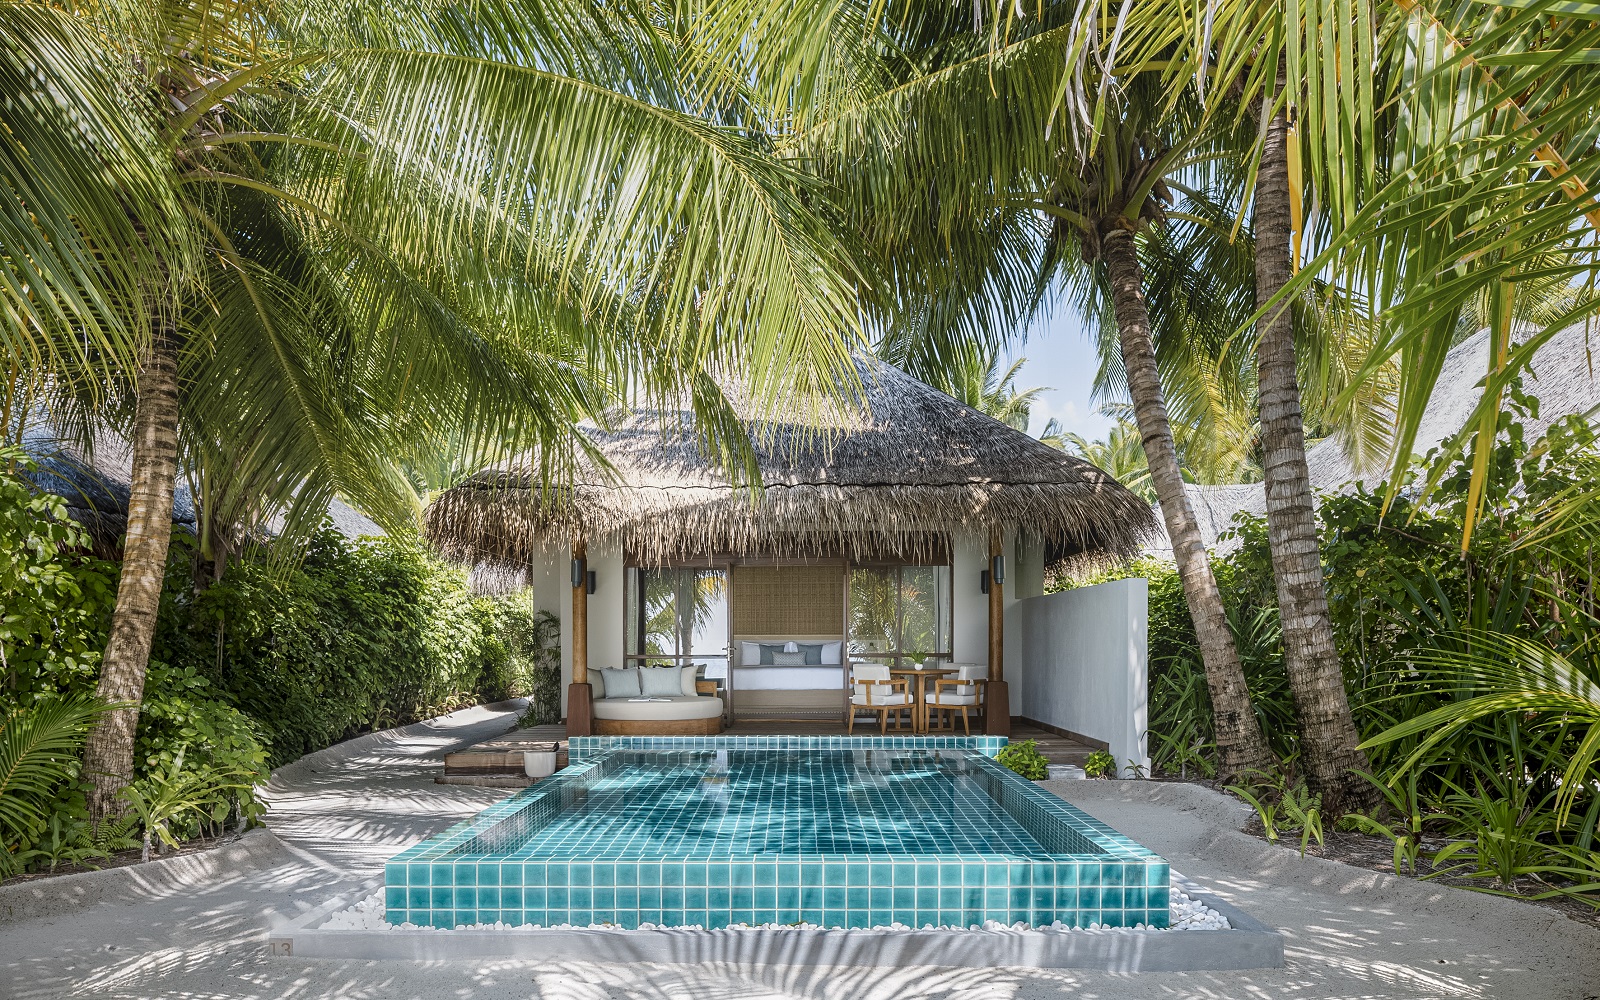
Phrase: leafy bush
{"type": "Point", "coordinates": [281, 657]}
{"type": "Point", "coordinates": [1473, 675]}
{"type": "Point", "coordinates": [1025, 759]}
{"type": "Point", "coordinates": [1100, 764]}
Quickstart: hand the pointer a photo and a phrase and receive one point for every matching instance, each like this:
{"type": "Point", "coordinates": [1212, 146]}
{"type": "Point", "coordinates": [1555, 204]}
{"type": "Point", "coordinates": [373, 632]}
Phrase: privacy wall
{"type": "Point", "coordinates": [1077, 661]}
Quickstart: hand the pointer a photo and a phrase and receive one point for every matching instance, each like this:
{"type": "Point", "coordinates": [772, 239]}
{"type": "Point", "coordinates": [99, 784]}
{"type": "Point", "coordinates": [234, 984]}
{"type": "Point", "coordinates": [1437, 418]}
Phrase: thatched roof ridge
{"type": "Point", "coordinates": [906, 461]}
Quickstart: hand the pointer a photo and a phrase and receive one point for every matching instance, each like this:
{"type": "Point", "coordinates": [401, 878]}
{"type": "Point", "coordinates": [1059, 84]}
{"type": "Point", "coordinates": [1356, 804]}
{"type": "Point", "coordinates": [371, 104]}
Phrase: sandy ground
{"type": "Point", "coordinates": [187, 934]}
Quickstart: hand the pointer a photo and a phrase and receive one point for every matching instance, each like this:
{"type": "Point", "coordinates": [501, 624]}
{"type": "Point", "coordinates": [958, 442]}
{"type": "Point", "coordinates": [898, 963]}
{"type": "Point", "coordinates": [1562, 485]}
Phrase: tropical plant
{"type": "Point", "coordinates": [355, 227]}
{"type": "Point", "coordinates": [167, 797]}
{"type": "Point", "coordinates": [1282, 807]}
{"type": "Point", "coordinates": [1100, 764]}
{"type": "Point", "coordinates": [1121, 454]}
{"type": "Point", "coordinates": [1025, 759]}
{"type": "Point", "coordinates": [39, 747]}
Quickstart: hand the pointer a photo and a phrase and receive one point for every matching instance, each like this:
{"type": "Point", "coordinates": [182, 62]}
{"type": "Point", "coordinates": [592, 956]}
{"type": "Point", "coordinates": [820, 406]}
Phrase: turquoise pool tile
{"type": "Point", "coordinates": [511, 897]}
{"type": "Point", "coordinates": [441, 897]}
{"type": "Point", "coordinates": [419, 897]}
{"type": "Point", "coordinates": [464, 874]}
{"type": "Point", "coordinates": [489, 897]}
{"type": "Point", "coordinates": [441, 874]}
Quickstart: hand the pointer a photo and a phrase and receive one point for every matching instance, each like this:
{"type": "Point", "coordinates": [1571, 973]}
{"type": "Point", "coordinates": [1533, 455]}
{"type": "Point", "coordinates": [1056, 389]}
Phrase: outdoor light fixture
{"type": "Point", "coordinates": [592, 581]}
{"type": "Point", "coordinates": [997, 569]}
{"type": "Point", "coordinates": [580, 573]}
{"type": "Point", "coordinates": [983, 581]}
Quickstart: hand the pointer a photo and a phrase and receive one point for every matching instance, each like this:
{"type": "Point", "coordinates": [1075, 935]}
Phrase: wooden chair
{"type": "Point", "coordinates": [962, 692]}
{"type": "Point", "coordinates": [872, 688]}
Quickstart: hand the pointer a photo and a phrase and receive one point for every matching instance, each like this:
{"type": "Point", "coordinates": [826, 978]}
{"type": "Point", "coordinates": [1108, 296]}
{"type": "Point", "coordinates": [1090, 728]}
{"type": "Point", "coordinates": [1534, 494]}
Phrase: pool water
{"type": "Point", "coordinates": [854, 832]}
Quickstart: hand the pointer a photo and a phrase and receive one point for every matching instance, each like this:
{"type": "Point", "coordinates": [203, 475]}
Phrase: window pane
{"type": "Point", "coordinates": [677, 612]}
{"type": "Point", "coordinates": [872, 610]}
{"type": "Point", "coordinates": [925, 609]}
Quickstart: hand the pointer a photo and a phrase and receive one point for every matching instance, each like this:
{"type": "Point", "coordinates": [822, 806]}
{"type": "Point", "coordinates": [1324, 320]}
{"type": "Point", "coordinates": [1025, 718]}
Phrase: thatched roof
{"type": "Point", "coordinates": [1563, 376]}
{"type": "Point", "coordinates": [905, 464]}
{"type": "Point", "coordinates": [96, 484]}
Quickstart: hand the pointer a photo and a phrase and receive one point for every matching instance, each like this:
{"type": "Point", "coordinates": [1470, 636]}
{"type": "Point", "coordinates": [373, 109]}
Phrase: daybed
{"type": "Point", "coordinates": [653, 701]}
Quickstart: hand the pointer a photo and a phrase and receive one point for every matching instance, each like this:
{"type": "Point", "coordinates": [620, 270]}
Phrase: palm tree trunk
{"type": "Point", "coordinates": [108, 758]}
{"type": "Point", "coordinates": [1330, 744]}
{"type": "Point", "coordinates": [1240, 744]}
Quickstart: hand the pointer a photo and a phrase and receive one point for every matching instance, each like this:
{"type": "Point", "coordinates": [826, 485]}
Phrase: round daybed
{"type": "Point", "coordinates": [657, 701]}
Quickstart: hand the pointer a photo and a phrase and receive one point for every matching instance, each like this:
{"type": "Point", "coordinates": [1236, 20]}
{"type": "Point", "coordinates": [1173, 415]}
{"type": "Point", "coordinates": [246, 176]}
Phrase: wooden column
{"type": "Point", "coordinates": [580, 710]}
{"type": "Point", "coordinates": [997, 696]}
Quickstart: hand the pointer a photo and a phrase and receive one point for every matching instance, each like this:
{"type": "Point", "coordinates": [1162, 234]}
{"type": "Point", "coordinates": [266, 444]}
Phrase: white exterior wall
{"type": "Point", "coordinates": [605, 607]}
{"type": "Point", "coordinates": [969, 619]}
{"type": "Point", "coordinates": [1078, 661]}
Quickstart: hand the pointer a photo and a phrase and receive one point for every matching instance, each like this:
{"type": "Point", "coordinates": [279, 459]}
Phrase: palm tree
{"type": "Point", "coordinates": [351, 230]}
{"type": "Point", "coordinates": [975, 379]}
{"type": "Point", "coordinates": [945, 150]}
{"type": "Point", "coordinates": [1120, 454]}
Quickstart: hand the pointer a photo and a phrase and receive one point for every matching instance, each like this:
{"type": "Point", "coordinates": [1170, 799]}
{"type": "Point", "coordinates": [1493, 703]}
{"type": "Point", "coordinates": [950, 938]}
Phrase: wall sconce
{"type": "Point", "coordinates": [583, 576]}
{"type": "Point", "coordinates": [997, 569]}
{"type": "Point", "coordinates": [983, 581]}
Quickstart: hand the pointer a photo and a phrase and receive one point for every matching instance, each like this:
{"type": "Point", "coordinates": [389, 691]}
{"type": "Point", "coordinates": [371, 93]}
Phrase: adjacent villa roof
{"type": "Point", "coordinates": [907, 462]}
{"type": "Point", "coordinates": [1565, 376]}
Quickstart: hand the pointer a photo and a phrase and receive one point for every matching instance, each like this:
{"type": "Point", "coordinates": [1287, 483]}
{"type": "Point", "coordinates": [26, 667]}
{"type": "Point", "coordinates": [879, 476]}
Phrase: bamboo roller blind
{"type": "Point", "coordinates": [787, 600]}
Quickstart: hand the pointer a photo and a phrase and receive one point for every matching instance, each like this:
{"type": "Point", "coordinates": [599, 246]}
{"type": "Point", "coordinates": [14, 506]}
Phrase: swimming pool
{"type": "Point", "coordinates": [846, 832]}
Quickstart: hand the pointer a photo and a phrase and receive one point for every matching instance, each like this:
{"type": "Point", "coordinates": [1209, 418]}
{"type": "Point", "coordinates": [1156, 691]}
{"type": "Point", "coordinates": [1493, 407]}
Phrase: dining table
{"type": "Point", "coordinates": [919, 676]}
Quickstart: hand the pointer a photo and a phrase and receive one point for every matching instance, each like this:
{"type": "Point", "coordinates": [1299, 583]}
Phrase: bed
{"type": "Point", "coordinates": [763, 686]}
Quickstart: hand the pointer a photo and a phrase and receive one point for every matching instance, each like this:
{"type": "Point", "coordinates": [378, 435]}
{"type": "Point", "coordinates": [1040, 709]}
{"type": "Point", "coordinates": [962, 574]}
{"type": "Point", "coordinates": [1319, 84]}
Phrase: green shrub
{"type": "Point", "coordinates": [1025, 759]}
{"type": "Point", "coordinates": [1100, 764]}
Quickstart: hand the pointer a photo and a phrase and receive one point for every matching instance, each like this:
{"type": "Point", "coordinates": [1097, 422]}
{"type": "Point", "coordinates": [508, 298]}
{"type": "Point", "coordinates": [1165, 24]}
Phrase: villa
{"type": "Point", "coordinates": [905, 530]}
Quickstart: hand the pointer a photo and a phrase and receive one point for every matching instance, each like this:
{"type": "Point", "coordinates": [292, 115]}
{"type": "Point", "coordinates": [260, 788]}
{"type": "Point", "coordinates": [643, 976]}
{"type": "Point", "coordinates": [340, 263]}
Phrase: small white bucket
{"type": "Point", "coordinates": [539, 763]}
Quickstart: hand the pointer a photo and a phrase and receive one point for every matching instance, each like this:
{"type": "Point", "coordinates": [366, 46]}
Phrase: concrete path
{"type": "Point", "coordinates": [195, 928]}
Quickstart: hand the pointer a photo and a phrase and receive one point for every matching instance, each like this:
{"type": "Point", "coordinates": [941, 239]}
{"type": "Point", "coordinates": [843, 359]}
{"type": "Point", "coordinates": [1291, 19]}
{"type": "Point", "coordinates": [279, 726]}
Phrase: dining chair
{"type": "Point", "coordinates": [872, 688]}
{"type": "Point", "coordinates": [963, 691]}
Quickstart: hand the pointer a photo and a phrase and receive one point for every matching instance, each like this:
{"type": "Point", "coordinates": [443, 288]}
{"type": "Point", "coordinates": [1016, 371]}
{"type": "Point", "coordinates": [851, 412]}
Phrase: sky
{"type": "Point", "coordinates": [1060, 355]}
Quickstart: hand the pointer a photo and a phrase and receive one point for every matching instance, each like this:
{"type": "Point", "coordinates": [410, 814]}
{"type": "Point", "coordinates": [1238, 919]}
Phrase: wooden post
{"type": "Point", "coordinates": [997, 697]}
{"type": "Point", "coordinates": [580, 710]}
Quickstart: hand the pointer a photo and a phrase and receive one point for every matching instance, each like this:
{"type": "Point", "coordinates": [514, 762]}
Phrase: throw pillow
{"type": "Point", "coordinates": [813, 651]}
{"type": "Point", "coordinates": [690, 675]}
{"type": "Point", "coordinates": [767, 651]}
{"type": "Point", "coordinates": [831, 651]}
{"type": "Point", "coordinates": [597, 682]}
{"type": "Point", "coordinates": [621, 683]}
{"type": "Point", "coordinates": [788, 659]}
{"type": "Point", "coordinates": [749, 653]}
{"type": "Point", "coordinates": [661, 682]}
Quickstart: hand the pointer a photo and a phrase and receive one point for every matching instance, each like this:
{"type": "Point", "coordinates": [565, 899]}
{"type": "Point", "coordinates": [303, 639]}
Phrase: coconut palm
{"type": "Point", "coordinates": [1416, 146]}
{"type": "Point", "coordinates": [972, 247]}
{"type": "Point", "coordinates": [355, 229]}
{"type": "Point", "coordinates": [1120, 454]}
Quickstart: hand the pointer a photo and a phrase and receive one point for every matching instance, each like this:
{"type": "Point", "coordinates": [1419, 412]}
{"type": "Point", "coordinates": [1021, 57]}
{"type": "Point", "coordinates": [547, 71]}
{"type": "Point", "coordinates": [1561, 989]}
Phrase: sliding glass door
{"type": "Point", "coordinates": [677, 616]}
{"type": "Point", "coordinates": [898, 611]}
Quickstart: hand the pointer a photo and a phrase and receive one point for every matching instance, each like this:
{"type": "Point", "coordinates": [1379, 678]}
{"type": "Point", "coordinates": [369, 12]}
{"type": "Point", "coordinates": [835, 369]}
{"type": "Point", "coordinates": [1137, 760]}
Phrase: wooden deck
{"type": "Point", "coordinates": [499, 761]}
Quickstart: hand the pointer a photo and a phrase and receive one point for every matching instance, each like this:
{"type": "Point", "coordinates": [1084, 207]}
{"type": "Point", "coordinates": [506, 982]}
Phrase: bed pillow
{"type": "Point", "coordinates": [686, 682]}
{"type": "Point", "coordinates": [621, 683]}
{"type": "Point", "coordinates": [749, 653]}
{"type": "Point", "coordinates": [830, 652]}
{"type": "Point", "coordinates": [768, 650]}
{"type": "Point", "coordinates": [597, 682]}
{"type": "Point", "coordinates": [789, 659]}
{"type": "Point", "coordinates": [661, 682]}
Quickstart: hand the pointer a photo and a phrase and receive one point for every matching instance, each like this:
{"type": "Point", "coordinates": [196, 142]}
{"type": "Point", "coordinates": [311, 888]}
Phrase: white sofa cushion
{"type": "Point", "coordinates": [597, 683]}
{"type": "Point", "coordinates": [686, 681]}
{"type": "Point", "coordinates": [661, 682]}
{"type": "Point", "coordinates": [669, 710]}
{"type": "Point", "coordinates": [621, 683]}
{"type": "Point", "coordinates": [876, 699]}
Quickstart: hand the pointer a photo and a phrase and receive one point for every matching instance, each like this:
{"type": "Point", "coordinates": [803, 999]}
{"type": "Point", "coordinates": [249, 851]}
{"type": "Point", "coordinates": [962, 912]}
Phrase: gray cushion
{"type": "Point", "coordinates": [661, 682]}
{"type": "Point", "coordinates": [792, 659]}
{"type": "Point", "coordinates": [690, 674]}
{"type": "Point", "coordinates": [768, 650]}
{"type": "Point", "coordinates": [597, 683]}
{"type": "Point", "coordinates": [623, 710]}
{"type": "Point", "coordinates": [621, 683]}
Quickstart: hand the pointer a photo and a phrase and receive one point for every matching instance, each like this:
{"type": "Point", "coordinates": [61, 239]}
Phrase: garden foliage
{"type": "Point", "coordinates": [1474, 676]}
{"type": "Point", "coordinates": [277, 659]}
